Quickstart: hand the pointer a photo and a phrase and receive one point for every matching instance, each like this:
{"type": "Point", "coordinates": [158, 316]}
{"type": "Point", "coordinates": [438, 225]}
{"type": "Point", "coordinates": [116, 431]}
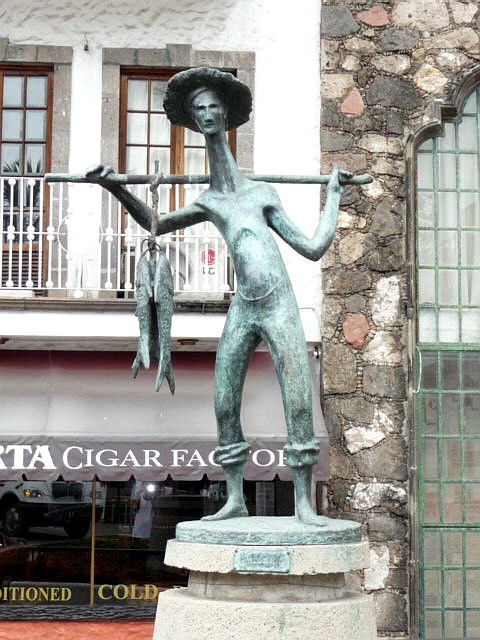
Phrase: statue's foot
{"type": "Point", "coordinates": [307, 515]}
{"type": "Point", "coordinates": [231, 509]}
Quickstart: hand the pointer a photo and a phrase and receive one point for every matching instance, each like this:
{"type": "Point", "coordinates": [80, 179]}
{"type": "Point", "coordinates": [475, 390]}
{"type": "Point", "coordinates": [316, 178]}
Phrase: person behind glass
{"type": "Point", "coordinates": [142, 496]}
{"type": "Point", "coordinates": [264, 307]}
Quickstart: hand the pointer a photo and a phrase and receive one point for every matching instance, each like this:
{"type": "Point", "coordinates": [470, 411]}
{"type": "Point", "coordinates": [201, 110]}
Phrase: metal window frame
{"type": "Point", "coordinates": [450, 110]}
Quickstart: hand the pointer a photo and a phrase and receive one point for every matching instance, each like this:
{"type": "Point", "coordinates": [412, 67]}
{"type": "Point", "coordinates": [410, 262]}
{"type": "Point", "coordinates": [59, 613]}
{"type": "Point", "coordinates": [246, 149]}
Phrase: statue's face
{"type": "Point", "coordinates": [208, 112]}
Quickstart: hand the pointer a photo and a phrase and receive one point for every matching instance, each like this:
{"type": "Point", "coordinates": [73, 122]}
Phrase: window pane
{"type": "Point", "coordinates": [427, 328]}
{"type": "Point", "coordinates": [453, 588]}
{"type": "Point", "coordinates": [452, 460]}
{"type": "Point", "coordinates": [433, 588]}
{"type": "Point", "coordinates": [12, 91]}
{"type": "Point", "coordinates": [470, 209]}
{"type": "Point", "coordinates": [472, 548]}
{"type": "Point", "coordinates": [433, 625]}
{"type": "Point", "coordinates": [431, 549]}
{"type": "Point", "coordinates": [471, 319]}
{"type": "Point", "coordinates": [11, 158]}
{"type": "Point", "coordinates": [194, 161]}
{"type": "Point", "coordinates": [471, 103]}
{"type": "Point", "coordinates": [452, 503]}
{"type": "Point", "coordinates": [426, 145]}
{"type": "Point", "coordinates": [35, 158]}
{"type": "Point", "coordinates": [429, 371]}
{"type": "Point", "coordinates": [446, 142]}
{"type": "Point", "coordinates": [471, 414]}
{"type": "Point", "coordinates": [473, 624]}
{"type": "Point", "coordinates": [137, 128]}
{"type": "Point", "coordinates": [425, 209]}
{"type": "Point", "coordinates": [447, 248]}
{"type": "Point", "coordinates": [431, 502]}
{"type": "Point", "coordinates": [36, 92]}
{"type": "Point", "coordinates": [448, 287]}
{"type": "Point", "coordinates": [12, 125]}
{"type": "Point", "coordinates": [471, 248]}
{"type": "Point", "coordinates": [467, 134]}
{"type": "Point", "coordinates": [471, 371]}
{"type": "Point", "coordinates": [430, 455]}
{"type": "Point", "coordinates": [449, 371]}
{"type": "Point", "coordinates": [451, 414]}
{"type": "Point", "coordinates": [472, 461]}
{"type": "Point", "coordinates": [472, 504]}
{"type": "Point", "coordinates": [159, 129]}
{"type": "Point", "coordinates": [469, 172]}
{"type": "Point", "coordinates": [470, 296]}
{"type": "Point", "coordinates": [425, 171]}
{"type": "Point", "coordinates": [430, 418]}
{"type": "Point", "coordinates": [162, 156]}
{"type": "Point", "coordinates": [448, 325]}
{"type": "Point", "coordinates": [473, 588]}
{"type": "Point", "coordinates": [452, 553]}
{"type": "Point", "coordinates": [136, 160]}
{"type": "Point", "coordinates": [446, 171]}
{"type": "Point", "coordinates": [137, 95]}
{"type": "Point", "coordinates": [426, 286]}
{"type": "Point", "coordinates": [426, 248]}
{"type": "Point", "coordinates": [194, 138]}
{"type": "Point", "coordinates": [454, 625]}
{"type": "Point", "coordinates": [157, 95]}
{"type": "Point", "coordinates": [447, 209]}
{"type": "Point", "coordinates": [35, 125]}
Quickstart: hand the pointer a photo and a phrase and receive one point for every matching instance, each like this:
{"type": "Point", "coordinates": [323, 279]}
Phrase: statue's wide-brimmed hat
{"type": "Point", "coordinates": [234, 94]}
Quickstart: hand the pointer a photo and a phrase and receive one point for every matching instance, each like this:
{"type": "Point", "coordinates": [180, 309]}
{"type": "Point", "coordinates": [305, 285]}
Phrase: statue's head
{"type": "Point", "coordinates": [190, 90]}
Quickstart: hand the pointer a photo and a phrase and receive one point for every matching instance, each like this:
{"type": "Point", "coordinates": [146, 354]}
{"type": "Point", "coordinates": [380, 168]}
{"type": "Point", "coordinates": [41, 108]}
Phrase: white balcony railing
{"type": "Point", "coordinates": [65, 243]}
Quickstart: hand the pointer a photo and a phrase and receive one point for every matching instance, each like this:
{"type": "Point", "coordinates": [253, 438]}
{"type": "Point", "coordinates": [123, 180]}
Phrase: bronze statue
{"type": "Point", "coordinates": [264, 307]}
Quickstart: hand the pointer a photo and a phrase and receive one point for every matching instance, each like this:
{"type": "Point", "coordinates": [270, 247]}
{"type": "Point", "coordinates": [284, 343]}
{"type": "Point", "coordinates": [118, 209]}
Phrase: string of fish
{"type": "Point", "coordinates": [154, 308]}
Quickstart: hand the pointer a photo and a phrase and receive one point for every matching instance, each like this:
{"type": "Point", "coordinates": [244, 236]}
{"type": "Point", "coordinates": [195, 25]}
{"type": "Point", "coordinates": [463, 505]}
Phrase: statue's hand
{"type": "Point", "coordinates": [101, 174]}
{"type": "Point", "coordinates": [338, 178]}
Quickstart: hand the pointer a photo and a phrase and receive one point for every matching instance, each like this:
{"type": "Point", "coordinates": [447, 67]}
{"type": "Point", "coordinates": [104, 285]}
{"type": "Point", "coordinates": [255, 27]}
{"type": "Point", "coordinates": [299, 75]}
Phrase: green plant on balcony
{"type": "Point", "coordinates": [11, 193]}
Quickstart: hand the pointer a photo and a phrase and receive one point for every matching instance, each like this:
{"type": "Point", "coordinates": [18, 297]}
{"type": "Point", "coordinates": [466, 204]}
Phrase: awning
{"type": "Point", "coordinates": [77, 414]}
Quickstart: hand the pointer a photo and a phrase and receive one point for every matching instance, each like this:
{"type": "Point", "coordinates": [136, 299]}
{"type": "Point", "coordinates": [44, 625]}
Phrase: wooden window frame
{"type": "Point", "coordinates": [177, 146]}
{"type": "Point", "coordinates": [31, 71]}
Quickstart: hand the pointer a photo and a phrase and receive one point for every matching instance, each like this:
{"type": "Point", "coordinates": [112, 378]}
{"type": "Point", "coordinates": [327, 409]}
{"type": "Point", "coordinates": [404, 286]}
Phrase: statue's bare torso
{"type": "Point", "coordinates": [242, 219]}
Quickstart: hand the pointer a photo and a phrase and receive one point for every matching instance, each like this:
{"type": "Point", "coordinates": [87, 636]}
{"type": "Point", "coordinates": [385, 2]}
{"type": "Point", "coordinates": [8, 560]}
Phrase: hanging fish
{"type": "Point", "coordinates": [154, 293]}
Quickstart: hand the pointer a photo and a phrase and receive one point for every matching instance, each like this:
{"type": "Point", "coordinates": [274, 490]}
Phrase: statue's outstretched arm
{"type": "Point", "coordinates": [141, 212]}
{"type": "Point", "coordinates": [312, 248]}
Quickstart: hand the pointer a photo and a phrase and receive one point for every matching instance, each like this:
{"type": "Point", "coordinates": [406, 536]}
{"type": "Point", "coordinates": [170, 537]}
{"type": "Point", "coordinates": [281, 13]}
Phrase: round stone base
{"type": "Point", "coordinates": [182, 616]}
{"type": "Point", "coordinates": [269, 531]}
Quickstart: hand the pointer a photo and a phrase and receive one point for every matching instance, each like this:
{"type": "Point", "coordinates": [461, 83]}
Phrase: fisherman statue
{"type": "Point", "coordinates": [264, 308]}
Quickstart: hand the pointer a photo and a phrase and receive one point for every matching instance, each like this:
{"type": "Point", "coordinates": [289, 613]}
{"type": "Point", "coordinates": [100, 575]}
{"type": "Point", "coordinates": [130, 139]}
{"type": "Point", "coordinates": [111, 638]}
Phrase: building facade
{"type": "Point", "coordinates": [384, 87]}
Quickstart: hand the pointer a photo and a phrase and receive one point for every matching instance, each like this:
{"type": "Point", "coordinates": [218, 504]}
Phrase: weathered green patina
{"type": "Point", "coordinates": [264, 308]}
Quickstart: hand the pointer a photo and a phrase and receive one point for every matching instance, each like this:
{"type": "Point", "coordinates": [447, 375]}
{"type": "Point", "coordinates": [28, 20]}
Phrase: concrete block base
{"type": "Point", "coordinates": [181, 616]}
{"type": "Point", "coordinates": [291, 588]}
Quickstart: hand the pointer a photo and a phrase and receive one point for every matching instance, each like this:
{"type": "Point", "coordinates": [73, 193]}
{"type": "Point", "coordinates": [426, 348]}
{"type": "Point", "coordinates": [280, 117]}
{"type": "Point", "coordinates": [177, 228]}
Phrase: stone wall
{"type": "Point", "coordinates": [386, 67]}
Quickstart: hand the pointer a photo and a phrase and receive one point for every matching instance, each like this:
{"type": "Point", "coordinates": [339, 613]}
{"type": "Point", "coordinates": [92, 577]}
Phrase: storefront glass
{"type": "Point", "coordinates": [53, 557]}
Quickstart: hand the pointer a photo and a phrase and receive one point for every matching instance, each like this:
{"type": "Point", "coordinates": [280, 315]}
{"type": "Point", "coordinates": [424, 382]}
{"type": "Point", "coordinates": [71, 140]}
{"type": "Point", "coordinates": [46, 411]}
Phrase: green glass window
{"type": "Point", "coordinates": [448, 410]}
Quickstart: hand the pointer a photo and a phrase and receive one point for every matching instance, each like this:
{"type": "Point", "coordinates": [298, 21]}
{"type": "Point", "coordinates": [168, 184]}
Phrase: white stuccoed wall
{"type": "Point", "coordinates": [284, 37]}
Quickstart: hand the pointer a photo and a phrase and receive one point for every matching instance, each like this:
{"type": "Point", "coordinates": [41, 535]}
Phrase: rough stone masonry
{"type": "Point", "coordinates": [386, 65]}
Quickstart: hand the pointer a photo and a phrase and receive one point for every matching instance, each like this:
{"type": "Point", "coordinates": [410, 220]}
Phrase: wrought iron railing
{"type": "Point", "coordinates": [65, 243]}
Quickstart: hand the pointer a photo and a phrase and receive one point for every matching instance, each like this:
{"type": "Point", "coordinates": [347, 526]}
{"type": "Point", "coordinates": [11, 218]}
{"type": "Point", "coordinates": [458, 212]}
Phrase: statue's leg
{"type": "Point", "coordinates": [235, 349]}
{"type": "Point", "coordinates": [285, 340]}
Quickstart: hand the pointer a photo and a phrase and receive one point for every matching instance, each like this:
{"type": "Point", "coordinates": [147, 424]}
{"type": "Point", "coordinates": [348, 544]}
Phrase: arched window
{"type": "Point", "coordinates": [448, 409]}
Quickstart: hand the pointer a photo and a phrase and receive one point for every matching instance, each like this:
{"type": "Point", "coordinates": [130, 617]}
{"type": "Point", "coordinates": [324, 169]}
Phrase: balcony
{"type": "Point", "coordinates": [74, 242]}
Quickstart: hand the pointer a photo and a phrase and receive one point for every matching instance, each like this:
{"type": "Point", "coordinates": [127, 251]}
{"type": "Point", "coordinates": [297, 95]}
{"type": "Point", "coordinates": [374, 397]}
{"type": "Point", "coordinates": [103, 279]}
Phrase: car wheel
{"type": "Point", "coordinates": [77, 528]}
{"type": "Point", "coordinates": [11, 516]}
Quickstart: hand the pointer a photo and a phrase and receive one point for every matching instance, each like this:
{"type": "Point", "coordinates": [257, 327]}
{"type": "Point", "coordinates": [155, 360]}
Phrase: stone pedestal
{"type": "Point", "coordinates": [269, 578]}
